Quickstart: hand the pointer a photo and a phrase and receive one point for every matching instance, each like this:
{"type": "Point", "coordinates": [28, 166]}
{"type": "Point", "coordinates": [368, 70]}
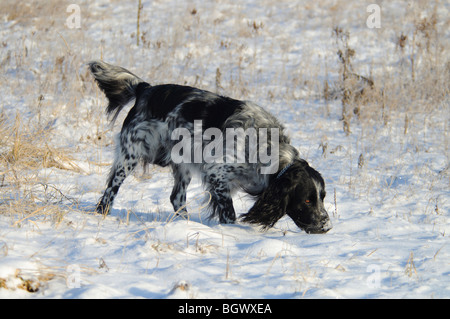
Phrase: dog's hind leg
{"type": "Point", "coordinates": [138, 140]}
{"type": "Point", "coordinates": [127, 157]}
{"type": "Point", "coordinates": [123, 166]}
{"type": "Point", "coordinates": [182, 178]}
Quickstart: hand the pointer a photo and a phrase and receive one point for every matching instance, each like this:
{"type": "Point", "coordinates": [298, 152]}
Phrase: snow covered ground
{"type": "Point", "coordinates": [388, 181]}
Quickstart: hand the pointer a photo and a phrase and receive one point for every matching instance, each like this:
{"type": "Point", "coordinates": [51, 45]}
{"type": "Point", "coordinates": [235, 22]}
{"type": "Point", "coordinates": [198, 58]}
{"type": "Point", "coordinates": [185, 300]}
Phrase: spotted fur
{"type": "Point", "coordinates": [146, 135]}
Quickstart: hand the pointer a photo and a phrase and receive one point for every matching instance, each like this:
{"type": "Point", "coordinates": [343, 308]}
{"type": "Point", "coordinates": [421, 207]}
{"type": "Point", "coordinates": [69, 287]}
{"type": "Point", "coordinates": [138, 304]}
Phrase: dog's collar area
{"type": "Point", "coordinates": [284, 169]}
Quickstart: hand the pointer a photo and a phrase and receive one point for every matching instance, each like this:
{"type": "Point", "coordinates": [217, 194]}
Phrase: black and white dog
{"type": "Point", "coordinates": [162, 114]}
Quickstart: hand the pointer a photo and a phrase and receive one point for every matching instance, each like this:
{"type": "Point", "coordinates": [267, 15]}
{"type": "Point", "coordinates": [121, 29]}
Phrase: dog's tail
{"type": "Point", "coordinates": [118, 84]}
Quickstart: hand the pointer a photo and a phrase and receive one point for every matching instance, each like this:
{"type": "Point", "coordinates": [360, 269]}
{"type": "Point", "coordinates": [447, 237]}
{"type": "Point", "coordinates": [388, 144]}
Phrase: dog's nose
{"type": "Point", "coordinates": [327, 225]}
{"type": "Point", "coordinates": [325, 222]}
{"type": "Point", "coordinates": [322, 228]}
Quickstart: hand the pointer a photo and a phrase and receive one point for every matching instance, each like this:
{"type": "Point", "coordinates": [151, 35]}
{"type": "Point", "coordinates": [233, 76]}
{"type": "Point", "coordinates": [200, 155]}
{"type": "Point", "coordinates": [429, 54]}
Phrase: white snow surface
{"type": "Point", "coordinates": [390, 216]}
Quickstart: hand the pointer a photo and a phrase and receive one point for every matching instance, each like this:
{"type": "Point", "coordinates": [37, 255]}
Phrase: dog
{"type": "Point", "coordinates": [163, 113]}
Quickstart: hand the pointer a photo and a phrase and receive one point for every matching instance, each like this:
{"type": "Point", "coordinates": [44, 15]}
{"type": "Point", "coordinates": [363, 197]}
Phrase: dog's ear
{"type": "Point", "coordinates": [272, 203]}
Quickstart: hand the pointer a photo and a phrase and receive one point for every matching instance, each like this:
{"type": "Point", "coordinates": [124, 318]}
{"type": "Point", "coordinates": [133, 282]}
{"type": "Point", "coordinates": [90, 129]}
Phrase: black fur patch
{"type": "Point", "coordinates": [212, 113]}
{"type": "Point", "coordinates": [195, 104]}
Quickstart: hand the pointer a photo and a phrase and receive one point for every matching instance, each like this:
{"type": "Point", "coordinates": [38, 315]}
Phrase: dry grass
{"type": "Point", "coordinates": [24, 195]}
{"type": "Point", "coordinates": [19, 281]}
{"type": "Point", "coordinates": [26, 148]}
{"type": "Point", "coordinates": [417, 86]}
{"type": "Point", "coordinates": [24, 151]}
{"type": "Point", "coordinates": [34, 11]}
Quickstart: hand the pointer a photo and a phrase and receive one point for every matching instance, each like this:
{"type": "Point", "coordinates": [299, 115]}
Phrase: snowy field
{"type": "Point", "coordinates": [384, 156]}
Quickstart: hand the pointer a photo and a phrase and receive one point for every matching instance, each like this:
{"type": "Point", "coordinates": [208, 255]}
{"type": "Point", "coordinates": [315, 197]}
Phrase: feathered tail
{"type": "Point", "coordinates": [118, 84]}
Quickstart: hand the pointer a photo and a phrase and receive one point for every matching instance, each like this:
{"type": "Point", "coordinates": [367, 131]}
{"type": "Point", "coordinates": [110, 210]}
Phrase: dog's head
{"type": "Point", "coordinates": [299, 192]}
{"type": "Point", "coordinates": [305, 205]}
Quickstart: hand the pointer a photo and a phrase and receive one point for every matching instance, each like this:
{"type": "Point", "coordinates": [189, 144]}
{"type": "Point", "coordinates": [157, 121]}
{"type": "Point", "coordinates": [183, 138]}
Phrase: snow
{"type": "Point", "coordinates": [390, 215]}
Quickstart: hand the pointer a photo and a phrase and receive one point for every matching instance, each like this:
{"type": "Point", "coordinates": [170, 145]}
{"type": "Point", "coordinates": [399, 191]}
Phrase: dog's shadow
{"type": "Point", "coordinates": [136, 216]}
